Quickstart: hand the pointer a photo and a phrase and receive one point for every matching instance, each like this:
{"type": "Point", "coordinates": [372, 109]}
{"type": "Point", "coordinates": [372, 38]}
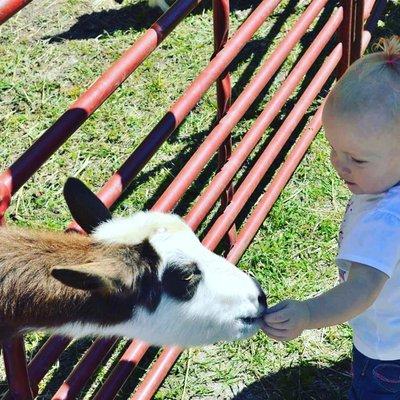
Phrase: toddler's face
{"type": "Point", "coordinates": [364, 157]}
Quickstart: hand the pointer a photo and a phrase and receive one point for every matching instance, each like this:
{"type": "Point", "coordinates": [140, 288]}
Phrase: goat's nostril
{"type": "Point", "coordinates": [262, 299]}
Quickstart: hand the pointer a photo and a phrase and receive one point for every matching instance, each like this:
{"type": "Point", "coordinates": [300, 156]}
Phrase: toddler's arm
{"type": "Point", "coordinates": [288, 319]}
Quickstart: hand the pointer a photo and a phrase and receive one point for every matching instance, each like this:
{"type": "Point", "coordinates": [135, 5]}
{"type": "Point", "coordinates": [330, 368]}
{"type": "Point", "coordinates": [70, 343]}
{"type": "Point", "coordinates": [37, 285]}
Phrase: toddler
{"type": "Point", "coordinates": [361, 119]}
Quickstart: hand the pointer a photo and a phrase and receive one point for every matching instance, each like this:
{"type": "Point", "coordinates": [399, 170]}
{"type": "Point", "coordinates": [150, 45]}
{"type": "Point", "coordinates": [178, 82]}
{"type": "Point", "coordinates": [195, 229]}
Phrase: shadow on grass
{"type": "Point", "coordinates": [277, 124]}
{"type": "Point", "coordinates": [304, 382]}
{"type": "Point", "coordinates": [390, 22]}
{"type": "Point", "coordinates": [70, 358]}
{"type": "Point", "coordinates": [67, 361]}
{"type": "Point", "coordinates": [254, 50]}
{"type": "Point", "coordinates": [95, 24]}
{"type": "Point", "coordinates": [137, 17]}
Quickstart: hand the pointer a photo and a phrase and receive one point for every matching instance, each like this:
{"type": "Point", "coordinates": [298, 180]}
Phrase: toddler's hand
{"type": "Point", "coordinates": [286, 320]}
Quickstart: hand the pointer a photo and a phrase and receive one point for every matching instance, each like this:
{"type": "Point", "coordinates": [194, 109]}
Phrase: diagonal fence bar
{"type": "Point", "coordinates": [270, 112]}
{"type": "Point", "coordinates": [237, 110]}
{"type": "Point", "coordinates": [129, 360]}
{"type": "Point", "coordinates": [118, 183]}
{"type": "Point", "coordinates": [181, 108]}
{"type": "Point", "coordinates": [254, 135]}
{"type": "Point", "coordinates": [168, 357]}
{"type": "Point", "coordinates": [274, 189]}
{"type": "Point", "coordinates": [164, 363]}
{"type": "Point", "coordinates": [28, 163]}
{"type": "Point", "coordinates": [84, 370]}
{"type": "Point", "coordinates": [274, 147]}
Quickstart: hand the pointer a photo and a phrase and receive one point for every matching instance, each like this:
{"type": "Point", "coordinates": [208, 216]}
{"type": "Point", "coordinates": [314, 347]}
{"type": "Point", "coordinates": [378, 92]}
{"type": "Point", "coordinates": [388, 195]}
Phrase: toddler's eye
{"type": "Point", "coordinates": [358, 161]}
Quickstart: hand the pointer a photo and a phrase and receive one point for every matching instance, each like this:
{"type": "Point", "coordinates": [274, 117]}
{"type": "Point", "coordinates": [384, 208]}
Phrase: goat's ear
{"type": "Point", "coordinates": [90, 276]}
{"type": "Point", "coordinates": [86, 208]}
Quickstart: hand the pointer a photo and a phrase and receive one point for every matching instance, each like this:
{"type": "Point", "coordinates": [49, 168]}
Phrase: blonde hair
{"type": "Point", "coordinates": [390, 48]}
{"type": "Point", "coordinates": [370, 87]}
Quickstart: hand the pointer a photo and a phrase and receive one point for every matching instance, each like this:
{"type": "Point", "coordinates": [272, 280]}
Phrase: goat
{"type": "Point", "coordinates": [145, 276]}
{"type": "Point", "coordinates": [162, 4]}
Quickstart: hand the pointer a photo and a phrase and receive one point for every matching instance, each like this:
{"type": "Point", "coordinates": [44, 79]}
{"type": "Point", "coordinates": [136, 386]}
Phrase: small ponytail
{"type": "Point", "coordinates": [371, 86]}
{"type": "Point", "coordinates": [390, 47]}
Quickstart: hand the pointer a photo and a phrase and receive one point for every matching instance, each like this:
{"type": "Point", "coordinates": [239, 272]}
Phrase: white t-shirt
{"type": "Point", "coordinates": [370, 235]}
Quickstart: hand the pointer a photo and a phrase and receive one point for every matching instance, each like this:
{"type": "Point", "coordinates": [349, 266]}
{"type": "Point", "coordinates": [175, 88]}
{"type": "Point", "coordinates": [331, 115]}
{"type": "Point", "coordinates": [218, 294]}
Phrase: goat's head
{"type": "Point", "coordinates": [191, 296]}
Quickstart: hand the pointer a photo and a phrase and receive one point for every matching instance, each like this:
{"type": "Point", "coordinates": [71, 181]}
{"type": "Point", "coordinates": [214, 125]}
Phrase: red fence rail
{"type": "Point", "coordinates": [10, 7]}
{"type": "Point", "coordinates": [90, 101]}
{"type": "Point", "coordinates": [348, 20]}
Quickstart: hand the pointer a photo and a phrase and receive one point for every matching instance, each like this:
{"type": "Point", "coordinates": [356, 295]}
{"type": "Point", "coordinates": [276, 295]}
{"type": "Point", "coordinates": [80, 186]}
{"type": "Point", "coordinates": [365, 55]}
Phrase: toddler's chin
{"type": "Point", "coordinates": [354, 188]}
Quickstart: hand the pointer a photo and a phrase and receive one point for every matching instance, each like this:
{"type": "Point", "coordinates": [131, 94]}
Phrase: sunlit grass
{"type": "Point", "coordinates": [50, 53]}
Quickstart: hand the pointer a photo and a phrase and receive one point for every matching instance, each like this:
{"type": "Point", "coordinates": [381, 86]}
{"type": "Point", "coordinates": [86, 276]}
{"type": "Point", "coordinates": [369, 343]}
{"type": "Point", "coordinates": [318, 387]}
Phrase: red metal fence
{"type": "Point", "coordinates": [9, 7]}
{"type": "Point", "coordinates": [348, 20]}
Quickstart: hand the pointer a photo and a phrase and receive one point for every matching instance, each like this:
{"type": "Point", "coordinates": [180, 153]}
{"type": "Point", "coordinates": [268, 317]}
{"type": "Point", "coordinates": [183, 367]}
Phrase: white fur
{"type": "Point", "coordinates": [224, 295]}
{"type": "Point", "coordinates": [140, 226]}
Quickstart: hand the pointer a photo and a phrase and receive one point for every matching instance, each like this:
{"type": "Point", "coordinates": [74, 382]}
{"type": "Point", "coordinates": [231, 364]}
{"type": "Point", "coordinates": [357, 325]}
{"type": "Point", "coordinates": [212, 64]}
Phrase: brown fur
{"type": "Point", "coordinates": [31, 297]}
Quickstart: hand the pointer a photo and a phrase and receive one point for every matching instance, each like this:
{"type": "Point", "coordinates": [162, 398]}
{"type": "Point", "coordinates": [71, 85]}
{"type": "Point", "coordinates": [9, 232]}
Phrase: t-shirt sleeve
{"type": "Point", "coordinates": [373, 241]}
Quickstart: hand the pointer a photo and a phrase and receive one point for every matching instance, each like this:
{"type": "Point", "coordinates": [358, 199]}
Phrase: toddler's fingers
{"type": "Point", "coordinates": [276, 317]}
{"type": "Point", "coordinates": [269, 330]}
{"type": "Point", "coordinates": [278, 325]}
{"type": "Point", "coordinates": [278, 307]}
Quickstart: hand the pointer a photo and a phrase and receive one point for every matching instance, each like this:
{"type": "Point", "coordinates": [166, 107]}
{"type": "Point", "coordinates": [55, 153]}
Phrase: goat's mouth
{"type": "Point", "coordinates": [251, 320]}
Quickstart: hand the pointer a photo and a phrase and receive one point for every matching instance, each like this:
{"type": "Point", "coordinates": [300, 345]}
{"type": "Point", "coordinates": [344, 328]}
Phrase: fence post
{"type": "Point", "coordinates": [16, 369]}
{"type": "Point", "coordinates": [350, 33]}
{"type": "Point", "coordinates": [358, 27]}
{"type": "Point", "coordinates": [224, 92]}
{"type": "Point", "coordinates": [345, 36]}
{"type": "Point", "coordinates": [14, 349]}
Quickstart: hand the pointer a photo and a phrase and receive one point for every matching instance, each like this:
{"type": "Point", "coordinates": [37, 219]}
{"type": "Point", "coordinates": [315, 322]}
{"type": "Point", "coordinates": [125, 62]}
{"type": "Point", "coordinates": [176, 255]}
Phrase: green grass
{"type": "Point", "coordinates": [50, 53]}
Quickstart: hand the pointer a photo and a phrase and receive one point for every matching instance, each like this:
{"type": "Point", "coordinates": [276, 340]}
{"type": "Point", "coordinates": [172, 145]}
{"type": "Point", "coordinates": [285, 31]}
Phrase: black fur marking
{"type": "Point", "coordinates": [86, 208]}
{"type": "Point", "coordinates": [148, 286]}
{"type": "Point", "coordinates": [180, 281]}
{"type": "Point", "coordinates": [150, 294]}
{"type": "Point", "coordinates": [147, 253]}
{"type": "Point", "coordinates": [78, 280]}
{"type": "Point", "coordinates": [262, 298]}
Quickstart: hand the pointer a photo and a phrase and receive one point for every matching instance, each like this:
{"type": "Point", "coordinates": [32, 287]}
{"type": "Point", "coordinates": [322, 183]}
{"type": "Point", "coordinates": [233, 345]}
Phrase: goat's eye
{"type": "Point", "coordinates": [188, 277]}
{"type": "Point", "coordinates": [181, 280]}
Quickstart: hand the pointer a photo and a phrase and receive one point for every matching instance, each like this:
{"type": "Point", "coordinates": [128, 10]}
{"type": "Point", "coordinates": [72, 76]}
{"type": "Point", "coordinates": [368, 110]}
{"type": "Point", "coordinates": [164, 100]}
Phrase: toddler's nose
{"type": "Point", "coordinates": [346, 170]}
{"type": "Point", "coordinates": [341, 168]}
